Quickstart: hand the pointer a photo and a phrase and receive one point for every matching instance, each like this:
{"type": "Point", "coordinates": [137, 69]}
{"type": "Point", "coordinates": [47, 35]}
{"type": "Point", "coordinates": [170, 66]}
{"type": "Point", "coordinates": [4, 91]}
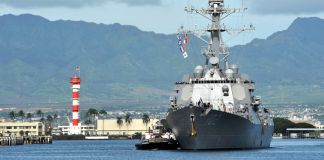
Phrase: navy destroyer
{"type": "Point", "coordinates": [215, 107]}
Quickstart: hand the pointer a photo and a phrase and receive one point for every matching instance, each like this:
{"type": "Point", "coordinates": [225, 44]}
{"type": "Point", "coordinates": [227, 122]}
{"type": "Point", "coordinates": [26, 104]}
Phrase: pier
{"type": "Point", "coordinates": [13, 140]}
{"type": "Point", "coordinates": [317, 133]}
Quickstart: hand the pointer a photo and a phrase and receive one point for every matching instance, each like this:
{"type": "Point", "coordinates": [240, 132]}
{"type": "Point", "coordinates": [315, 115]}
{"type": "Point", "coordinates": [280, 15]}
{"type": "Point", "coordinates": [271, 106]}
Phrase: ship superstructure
{"type": "Point", "coordinates": [215, 108]}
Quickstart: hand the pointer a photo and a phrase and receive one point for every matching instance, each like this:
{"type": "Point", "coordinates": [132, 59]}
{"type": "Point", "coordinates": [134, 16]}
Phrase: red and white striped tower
{"type": "Point", "coordinates": [75, 125]}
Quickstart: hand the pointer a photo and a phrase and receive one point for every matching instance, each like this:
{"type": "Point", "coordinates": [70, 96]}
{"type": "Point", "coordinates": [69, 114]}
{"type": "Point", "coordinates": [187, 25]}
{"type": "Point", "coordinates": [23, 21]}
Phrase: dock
{"type": "Point", "coordinates": [301, 133]}
{"type": "Point", "coordinates": [96, 138]}
{"type": "Point", "coordinates": [13, 140]}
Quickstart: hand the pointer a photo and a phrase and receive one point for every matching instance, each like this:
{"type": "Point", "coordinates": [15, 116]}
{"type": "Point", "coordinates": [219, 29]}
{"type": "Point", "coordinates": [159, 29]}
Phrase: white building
{"type": "Point", "coordinates": [85, 130]}
{"type": "Point", "coordinates": [15, 128]}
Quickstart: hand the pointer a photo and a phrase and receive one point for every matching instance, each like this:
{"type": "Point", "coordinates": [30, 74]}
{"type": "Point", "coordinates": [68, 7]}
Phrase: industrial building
{"type": "Point", "coordinates": [110, 127]}
{"type": "Point", "coordinates": [305, 132]}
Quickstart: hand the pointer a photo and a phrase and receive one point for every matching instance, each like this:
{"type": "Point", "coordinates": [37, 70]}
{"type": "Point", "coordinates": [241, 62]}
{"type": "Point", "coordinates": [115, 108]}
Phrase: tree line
{"type": "Point", "coordinates": [92, 113]}
{"type": "Point", "coordinates": [21, 115]}
{"type": "Point", "coordinates": [281, 125]}
{"type": "Point", "coordinates": [90, 117]}
{"type": "Point", "coordinates": [128, 120]}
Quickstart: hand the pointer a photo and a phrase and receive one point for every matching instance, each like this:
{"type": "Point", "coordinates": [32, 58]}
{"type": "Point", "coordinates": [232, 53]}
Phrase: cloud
{"type": "Point", "coordinates": [72, 3]}
{"type": "Point", "coordinates": [286, 6]}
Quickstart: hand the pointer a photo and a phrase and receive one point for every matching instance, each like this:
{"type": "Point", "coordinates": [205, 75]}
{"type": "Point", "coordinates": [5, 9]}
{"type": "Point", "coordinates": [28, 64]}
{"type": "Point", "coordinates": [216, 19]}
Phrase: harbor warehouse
{"type": "Point", "coordinates": [111, 127]}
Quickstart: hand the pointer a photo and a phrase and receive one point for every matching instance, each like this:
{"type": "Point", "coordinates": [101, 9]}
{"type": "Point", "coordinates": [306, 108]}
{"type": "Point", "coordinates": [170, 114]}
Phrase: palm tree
{"type": "Point", "coordinates": [39, 113]}
{"type": "Point", "coordinates": [12, 115]}
{"type": "Point", "coordinates": [50, 118]}
{"type": "Point", "coordinates": [103, 113]}
{"type": "Point", "coordinates": [21, 114]}
{"type": "Point", "coordinates": [42, 120]}
{"type": "Point", "coordinates": [119, 123]}
{"type": "Point", "coordinates": [91, 113]}
{"type": "Point", "coordinates": [55, 118]}
{"type": "Point", "coordinates": [29, 116]}
{"type": "Point", "coordinates": [146, 119]}
{"type": "Point", "coordinates": [128, 120]}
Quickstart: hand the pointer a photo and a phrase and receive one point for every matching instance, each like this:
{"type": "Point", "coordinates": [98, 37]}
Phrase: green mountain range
{"type": "Point", "coordinates": [122, 64]}
{"type": "Point", "coordinates": [288, 65]}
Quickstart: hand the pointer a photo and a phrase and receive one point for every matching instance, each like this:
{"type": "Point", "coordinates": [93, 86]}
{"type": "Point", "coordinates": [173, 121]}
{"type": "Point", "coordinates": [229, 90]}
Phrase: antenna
{"type": "Point", "coordinates": [78, 70]}
{"type": "Point", "coordinates": [215, 13]}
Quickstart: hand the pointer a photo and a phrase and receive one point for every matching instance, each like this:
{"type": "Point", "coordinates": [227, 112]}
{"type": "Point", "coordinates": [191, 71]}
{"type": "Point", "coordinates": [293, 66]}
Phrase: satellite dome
{"type": "Point", "coordinates": [199, 69]}
{"type": "Point", "coordinates": [214, 61]}
{"type": "Point", "coordinates": [229, 73]}
{"type": "Point", "coordinates": [198, 72]}
{"type": "Point", "coordinates": [235, 68]}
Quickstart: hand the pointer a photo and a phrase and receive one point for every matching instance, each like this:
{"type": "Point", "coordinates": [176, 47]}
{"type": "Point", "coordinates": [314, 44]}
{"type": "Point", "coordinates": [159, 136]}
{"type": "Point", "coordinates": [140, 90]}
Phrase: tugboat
{"type": "Point", "coordinates": [159, 138]}
{"type": "Point", "coordinates": [215, 107]}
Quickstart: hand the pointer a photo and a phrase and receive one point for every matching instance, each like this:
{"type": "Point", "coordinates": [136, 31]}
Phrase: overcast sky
{"type": "Point", "coordinates": [165, 16]}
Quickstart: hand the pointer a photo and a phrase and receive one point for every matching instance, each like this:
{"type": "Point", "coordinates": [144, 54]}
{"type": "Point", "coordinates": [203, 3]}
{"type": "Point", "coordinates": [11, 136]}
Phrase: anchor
{"type": "Point", "coordinates": [193, 129]}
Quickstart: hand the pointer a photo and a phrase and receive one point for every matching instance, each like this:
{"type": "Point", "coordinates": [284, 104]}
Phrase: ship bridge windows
{"type": "Point", "coordinates": [212, 81]}
{"type": "Point", "coordinates": [248, 82]}
{"type": "Point", "coordinates": [182, 83]}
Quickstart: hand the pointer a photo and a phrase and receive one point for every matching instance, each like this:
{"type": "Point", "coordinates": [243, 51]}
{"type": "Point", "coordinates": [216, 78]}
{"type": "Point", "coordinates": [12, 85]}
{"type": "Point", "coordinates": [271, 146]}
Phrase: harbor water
{"type": "Point", "coordinates": [283, 149]}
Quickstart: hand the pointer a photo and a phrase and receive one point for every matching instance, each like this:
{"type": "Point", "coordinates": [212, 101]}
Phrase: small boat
{"type": "Point", "coordinates": [157, 143]}
{"type": "Point", "coordinates": [158, 138]}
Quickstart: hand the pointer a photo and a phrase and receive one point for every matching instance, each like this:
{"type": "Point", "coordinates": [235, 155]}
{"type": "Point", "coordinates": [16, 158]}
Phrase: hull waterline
{"type": "Point", "coordinates": [217, 130]}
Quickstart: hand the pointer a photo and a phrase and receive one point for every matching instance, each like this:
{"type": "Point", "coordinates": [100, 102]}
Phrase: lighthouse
{"type": "Point", "coordinates": [75, 81]}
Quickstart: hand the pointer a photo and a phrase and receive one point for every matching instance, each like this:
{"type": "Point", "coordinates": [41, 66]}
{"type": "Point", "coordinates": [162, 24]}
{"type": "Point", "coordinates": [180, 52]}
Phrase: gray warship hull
{"type": "Point", "coordinates": [217, 130]}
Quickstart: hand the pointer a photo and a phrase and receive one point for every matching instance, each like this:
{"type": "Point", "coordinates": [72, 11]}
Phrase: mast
{"type": "Point", "coordinates": [215, 10]}
{"type": "Point", "coordinates": [215, 13]}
